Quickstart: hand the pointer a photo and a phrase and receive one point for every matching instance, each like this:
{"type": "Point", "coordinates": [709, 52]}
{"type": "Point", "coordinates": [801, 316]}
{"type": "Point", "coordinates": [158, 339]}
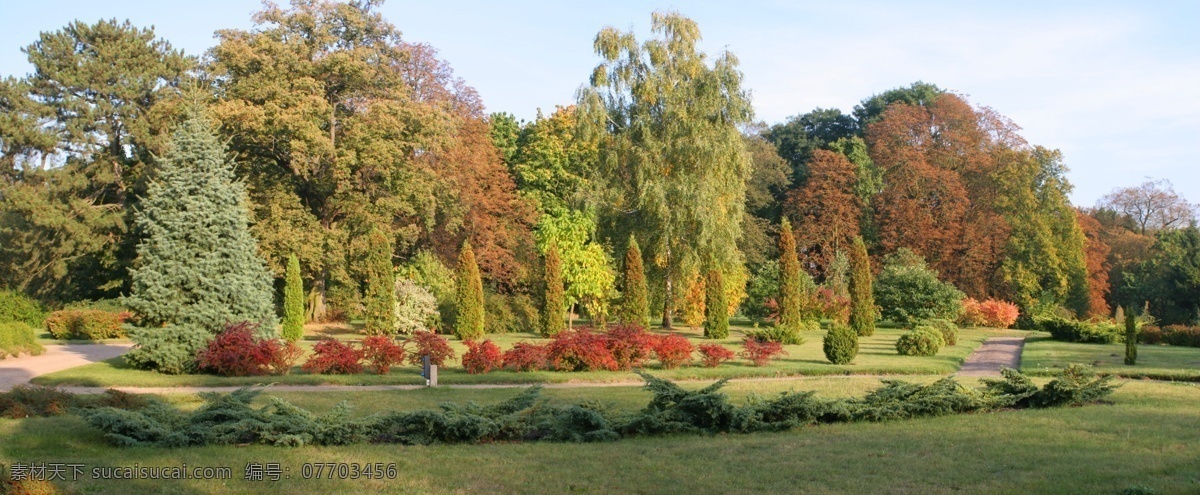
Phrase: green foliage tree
{"type": "Point", "coordinates": [293, 302]}
{"type": "Point", "coordinates": [587, 270]}
{"type": "Point", "coordinates": [554, 300]}
{"type": "Point", "coordinates": [862, 299]}
{"type": "Point", "coordinates": [1130, 339]}
{"type": "Point", "coordinates": [791, 296]}
{"type": "Point", "coordinates": [840, 344]}
{"type": "Point", "coordinates": [380, 285]}
{"type": "Point", "coordinates": [909, 292]}
{"type": "Point", "coordinates": [197, 264]}
{"type": "Point", "coordinates": [635, 303]}
{"type": "Point", "coordinates": [919, 93]}
{"type": "Point", "coordinates": [1169, 280]}
{"type": "Point", "coordinates": [716, 308]}
{"type": "Point", "coordinates": [469, 322]}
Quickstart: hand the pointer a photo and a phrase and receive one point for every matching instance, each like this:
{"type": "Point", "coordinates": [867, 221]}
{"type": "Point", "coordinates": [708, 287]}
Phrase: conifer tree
{"type": "Point", "coordinates": [381, 285]}
{"type": "Point", "coordinates": [469, 322]}
{"type": "Point", "coordinates": [635, 306]}
{"type": "Point", "coordinates": [790, 297]}
{"type": "Point", "coordinates": [293, 301]}
{"type": "Point", "coordinates": [197, 263]}
{"type": "Point", "coordinates": [554, 301]}
{"type": "Point", "coordinates": [1130, 339]}
{"type": "Point", "coordinates": [840, 344]}
{"type": "Point", "coordinates": [716, 317]}
{"type": "Point", "coordinates": [862, 300]}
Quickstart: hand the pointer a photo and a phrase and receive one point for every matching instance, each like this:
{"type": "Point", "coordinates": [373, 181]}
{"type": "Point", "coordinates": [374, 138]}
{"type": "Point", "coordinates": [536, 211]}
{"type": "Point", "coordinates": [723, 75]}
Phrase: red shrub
{"type": "Point", "coordinates": [712, 355]}
{"type": "Point", "coordinates": [580, 350]}
{"type": "Point", "coordinates": [832, 305]}
{"type": "Point", "coordinates": [630, 345]}
{"type": "Point", "coordinates": [332, 357]}
{"type": "Point", "coordinates": [429, 344]}
{"type": "Point", "coordinates": [381, 353]}
{"type": "Point", "coordinates": [761, 352]}
{"type": "Point", "coordinates": [237, 352]}
{"type": "Point", "coordinates": [998, 314]}
{"type": "Point", "coordinates": [482, 357]}
{"type": "Point", "coordinates": [971, 315]}
{"type": "Point", "coordinates": [1180, 335]}
{"type": "Point", "coordinates": [525, 357]}
{"type": "Point", "coordinates": [673, 350]}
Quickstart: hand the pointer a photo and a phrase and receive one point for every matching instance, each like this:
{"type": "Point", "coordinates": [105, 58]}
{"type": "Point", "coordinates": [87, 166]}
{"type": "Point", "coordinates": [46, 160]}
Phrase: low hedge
{"type": "Point", "coordinates": [86, 324]}
{"type": "Point", "coordinates": [18, 338]}
{"type": "Point", "coordinates": [1087, 332]}
{"type": "Point", "coordinates": [1177, 335]}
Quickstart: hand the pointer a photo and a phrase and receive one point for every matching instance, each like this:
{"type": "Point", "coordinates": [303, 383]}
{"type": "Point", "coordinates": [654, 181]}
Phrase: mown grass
{"type": "Point", "coordinates": [877, 355]}
{"type": "Point", "coordinates": [1145, 437]}
{"type": "Point", "coordinates": [1045, 356]}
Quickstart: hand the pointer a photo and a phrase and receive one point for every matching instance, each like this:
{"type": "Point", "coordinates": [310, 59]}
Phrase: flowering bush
{"type": "Point", "coordinates": [998, 314]}
{"type": "Point", "coordinates": [673, 350]}
{"type": "Point", "coordinates": [524, 356]}
{"type": "Point", "coordinates": [432, 345]}
{"type": "Point", "coordinates": [332, 357]}
{"type": "Point", "coordinates": [712, 355]}
{"type": "Point", "coordinates": [482, 357]}
{"type": "Point", "coordinates": [381, 353]}
{"type": "Point", "coordinates": [237, 352]}
{"type": "Point", "coordinates": [760, 352]}
{"type": "Point", "coordinates": [630, 345]}
{"type": "Point", "coordinates": [580, 350]}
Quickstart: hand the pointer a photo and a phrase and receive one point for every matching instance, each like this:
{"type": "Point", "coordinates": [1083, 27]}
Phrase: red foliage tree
{"type": "Point", "coordinates": [1096, 255]}
{"type": "Point", "coordinates": [429, 344]}
{"type": "Point", "coordinates": [826, 209]}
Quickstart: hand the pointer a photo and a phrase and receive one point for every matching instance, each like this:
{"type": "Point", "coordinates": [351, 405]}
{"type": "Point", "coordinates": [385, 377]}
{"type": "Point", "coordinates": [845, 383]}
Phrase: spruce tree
{"type": "Point", "coordinates": [554, 302]}
{"type": "Point", "coordinates": [293, 301]}
{"type": "Point", "coordinates": [381, 285]}
{"type": "Point", "coordinates": [716, 310]}
{"type": "Point", "coordinates": [197, 263]}
{"type": "Point", "coordinates": [862, 300]}
{"type": "Point", "coordinates": [790, 297]}
{"type": "Point", "coordinates": [1130, 339]}
{"type": "Point", "coordinates": [635, 305]}
{"type": "Point", "coordinates": [469, 322]}
{"type": "Point", "coordinates": [840, 344]}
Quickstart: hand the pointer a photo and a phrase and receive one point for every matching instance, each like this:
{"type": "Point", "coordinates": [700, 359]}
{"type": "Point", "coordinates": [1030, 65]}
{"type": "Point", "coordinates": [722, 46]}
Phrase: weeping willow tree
{"type": "Point", "coordinates": [673, 165]}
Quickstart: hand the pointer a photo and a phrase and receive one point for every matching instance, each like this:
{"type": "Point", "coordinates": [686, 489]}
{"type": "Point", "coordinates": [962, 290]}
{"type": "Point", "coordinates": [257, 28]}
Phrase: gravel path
{"type": "Point", "coordinates": [19, 370]}
{"type": "Point", "coordinates": [995, 353]}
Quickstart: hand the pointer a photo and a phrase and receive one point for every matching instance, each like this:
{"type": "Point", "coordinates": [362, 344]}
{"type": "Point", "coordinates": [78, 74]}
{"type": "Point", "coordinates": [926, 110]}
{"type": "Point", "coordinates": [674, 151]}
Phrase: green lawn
{"type": "Point", "coordinates": [1146, 437]}
{"type": "Point", "coordinates": [877, 355]}
{"type": "Point", "coordinates": [1044, 356]}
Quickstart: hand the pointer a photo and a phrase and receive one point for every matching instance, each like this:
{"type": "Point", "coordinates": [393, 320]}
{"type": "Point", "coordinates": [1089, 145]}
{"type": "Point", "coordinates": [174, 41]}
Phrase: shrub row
{"type": "Point", "coordinates": [1069, 330]}
{"type": "Point", "coordinates": [1177, 335]}
{"type": "Point", "coordinates": [16, 306]}
{"type": "Point", "coordinates": [87, 324]}
{"type": "Point", "coordinates": [18, 338]}
{"type": "Point", "coordinates": [238, 352]}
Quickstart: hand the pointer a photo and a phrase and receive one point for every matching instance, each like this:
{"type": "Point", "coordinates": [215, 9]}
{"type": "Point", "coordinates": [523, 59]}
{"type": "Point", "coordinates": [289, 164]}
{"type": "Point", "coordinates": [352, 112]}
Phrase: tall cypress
{"type": "Point", "coordinates": [635, 305]}
{"type": "Point", "coordinates": [197, 263]}
{"type": "Point", "coordinates": [716, 309]}
{"type": "Point", "coordinates": [293, 301]}
{"type": "Point", "coordinates": [790, 298]}
{"type": "Point", "coordinates": [1130, 339]}
{"type": "Point", "coordinates": [862, 300]}
{"type": "Point", "coordinates": [469, 322]}
{"type": "Point", "coordinates": [554, 303]}
{"type": "Point", "coordinates": [381, 285]}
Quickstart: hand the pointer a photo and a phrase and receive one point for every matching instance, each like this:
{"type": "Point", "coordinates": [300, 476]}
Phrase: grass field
{"type": "Point", "coordinates": [1045, 356]}
{"type": "Point", "coordinates": [877, 355]}
{"type": "Point", "coordinates": [1145, 437]}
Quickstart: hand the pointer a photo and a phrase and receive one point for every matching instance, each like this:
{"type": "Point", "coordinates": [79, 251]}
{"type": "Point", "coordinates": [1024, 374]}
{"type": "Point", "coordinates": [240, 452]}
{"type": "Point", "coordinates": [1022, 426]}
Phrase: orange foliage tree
{"type": "Point", "coordinates": [826, 209]}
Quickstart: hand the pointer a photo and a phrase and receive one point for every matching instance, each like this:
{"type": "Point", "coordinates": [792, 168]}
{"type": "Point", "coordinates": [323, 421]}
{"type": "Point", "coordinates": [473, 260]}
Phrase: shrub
{"type": "Point", "coordinates": [673, 350]}
{"type": "Point", "coordinates": [862, 298]}
{"type": "Point", "coordinates": [972, 314]}
{"type": "Point", "coordinates": [921, 341]}
{"type": "Point", "coordinates": [429, 344]}
{"type": "Point", "coordinates": [1130, 339]}
{"type": "Point", "coordinates": [1068, 330]}
{"type": "Point", "coordinates": [1183, 336]}
{"type": "Point", "coordinates": [635, 302]}
{"type": "Point", "coordinates": [554, 302]}
{"type": "Point", "coordinates": [86, 324]}
{"type": "Point", "coordinates": [469, 310]}
{"type": "Point", "coordinates": [998, 314]}
{"type": "Point", "coordinates": [381, 353]}
{"type": "Point", "coordinates": [379, 298]}
{"type": "Point", "coordinates": [237, 352]}
{"type": "Point", "coordinates": [1151, 335]}
{"type": "Point", "coordinates": [415, 307]}
{"type": "Point", "coordinates": [482, 357]}
{"type": "Point", "coordinates": [18, 338]}
{"type": "Point", "coordinates": [171, 349]}
{"type": "Point", "coordinates": [760, 352]}
{"type": "Point", "coordinates": [25, 401]}
{"type": "Point", "coordinates": [716, 312]}
{"type": "Point", "coordinates": [293, 301]}
{"type": "Point", "coordinates": [840, 344]}
{"type": "Point", "coordinates": [762, 287]}
{"type": "Point", "coordinates": [908, 292]}
{"type": "Point", "coordinates": [630, 345]}
{"type": "Point", "coordinates": [16, 306]}
{"type": "Point", "coordinates": [334, 357]}
{"type": "Point", "coordinates": [948, 330]}
{"type": "Point", "coordinates": [832, 305]}
{"type": "Point", "coordinates": [784, 336]}
{"type": "Point", "coordinates": [524, 356]}
{"type": "Point", "coordinates": [712, 355]}
{"type": "Point", "coordinates": [580, 350]}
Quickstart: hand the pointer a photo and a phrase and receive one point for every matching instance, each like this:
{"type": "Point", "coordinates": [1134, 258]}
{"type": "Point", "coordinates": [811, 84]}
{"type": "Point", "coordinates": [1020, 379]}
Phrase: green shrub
{"type": "Point", "coordinates": [782, 335]}
{"type": "Point", "coordinates": [716, 317]}
{"type": "Point", "coordinates": [948, 330]}
{"type": "Point", "coordinates": [921, 341]}
{"type": "Point", "coordinates": [862, 299]}
{"type": "Point", "coordinates": [761, 292]}
{"type": "Point", "coordinates": [510, 313]}
{"type": "Point", "coordinates": [909, 292]}
{"type": "Point", "coordinates": [86, 324]}
{"type": "Point", "coordinates": [841, 344]}
{"type": "Point", "coordinates": [18, 338]}
{"type": "Point", "coordinates": [16, 306]}
{"type": "Point", "coordinates": [1069, 330]}
{"type": "Point", "coordinates": [293, 301]}
{"type": "Point", "coordinates": [171, 349]}
{"type": "Point", "coordinates": [415, 308]}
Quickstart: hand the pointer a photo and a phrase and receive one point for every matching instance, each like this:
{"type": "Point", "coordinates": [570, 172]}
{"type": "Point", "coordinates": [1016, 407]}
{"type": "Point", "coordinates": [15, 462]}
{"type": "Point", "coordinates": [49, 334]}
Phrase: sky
{"type": "Point", "coordinates": [1114, 85]}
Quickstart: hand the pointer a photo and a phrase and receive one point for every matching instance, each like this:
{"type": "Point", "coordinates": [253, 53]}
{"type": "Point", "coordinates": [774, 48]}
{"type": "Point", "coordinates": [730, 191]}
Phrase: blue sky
{"type": "Point", "coordinates": [1114, 85]}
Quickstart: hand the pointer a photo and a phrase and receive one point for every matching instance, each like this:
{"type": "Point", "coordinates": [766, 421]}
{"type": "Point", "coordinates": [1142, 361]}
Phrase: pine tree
{"type": "Point", "coordinates": [554, 302]}
{"type": "Point", "coordinates": [790, 297]}
{"type": "Point", "coordinates": [716, 317]}
{"type": "Point", "coordinates": [862, 300]}
{"type": "Point", "coordinates": [1130, 339]}
{"type": "Point", "coordinates": [469, 323]}
{"type": "Point", "coordinates": [197, 263]}
{"type": "Point", "coordinates": [293, 301]}
{"type": "Point", "coordinates": [381, 285]}
{"type": "Point", "coordinates": [635, 307]}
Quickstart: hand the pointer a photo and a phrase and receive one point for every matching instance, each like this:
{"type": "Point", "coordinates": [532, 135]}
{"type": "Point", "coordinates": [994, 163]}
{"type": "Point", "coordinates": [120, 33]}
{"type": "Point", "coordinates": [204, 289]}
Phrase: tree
{"type": "Point", "coordinates": [862, 299]}
{"type": "Point", "coordinates": [1170, 280]}
{"type": "Point", "coordinates": [380, 285]}
{"type": "Point", "coordinates": [840, 344]}
{"type": "Point", "coordinates": [197, 264]}
{"type": "Point", "coordinates": [716, 317]}
{"type": "Point", "coordinates": [909, 292]}
{"type": "Point", "coordinates": [790, 296]}
{"type": "Point", "coordinates": [1152, 206]}
{"type": "Point", "coordinates": [871, 110]}
{"type": "Point", "coordinates": [587, 271]}
{"type": "Point", "coordinates": [293, 302]}
{"type": "Point", "coordinates": [469, 322]}
{"type": "Point", "coordinates": [826, 209]}
{"type": "Point", "coordinates": [765, 191]}
{"type": "Point", "coordinates": [635, 303]}
{"type": "Point", "coordinates": [801, 135]}
{"type": "Point", "coordinates": [1097, 265]}
{"type": "Point", "coordinates": [667, 123]}
{"type": "Point", "coordinates": [554, 301]}
{"type": "Point", "coordinates": [1130, 339]}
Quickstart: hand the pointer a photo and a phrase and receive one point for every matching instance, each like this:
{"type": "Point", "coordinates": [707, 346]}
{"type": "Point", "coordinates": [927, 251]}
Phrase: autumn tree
{"type": "Point", "coordinates": [1097, 265]}
{"type": "Point", "coordinates": [587, 270]}
{"type": "Point", "coordinates": [1151, 207]}
{"type": "Point", "coordinates": [826, 209]}
{"type": "Point", "coordinates": [765, 191]}
{"type": "Point", "coordinates": [635, 303]}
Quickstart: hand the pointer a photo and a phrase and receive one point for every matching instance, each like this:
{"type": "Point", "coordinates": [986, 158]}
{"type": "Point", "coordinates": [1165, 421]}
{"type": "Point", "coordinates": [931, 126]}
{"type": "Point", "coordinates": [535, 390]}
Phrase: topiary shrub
{"type": "Point", "coordinates": [635, 300]}
{"type": "Point", "coordinates": [381, 353]}
{"type": "Point", "coordinates": [673, 350]}
{"type": "Point", "coordinates": [580, 350]}
{"type": "Point", "coordinates": [524, 356]}
{"type": "Point", "coordinates": [429, 344]}
{"type": "Point", "coordinates": [469, 314]}
{"type": "Point", "coordinates": [482, 357]}
{"type": "Point", "coordinates": [948, 330]}
{"type": "Point", "coordinates": [760, 352]}
{"type": "Point", "coordinates": [712, 355]}
{"type": "Point", "coordinates": [238, 352]}
{"type": "Point", "coordinates": [554, 303]}
{"type": "Point", "coordinates": [16, 306]}
{"type": "Point", "coordinates": [86, 324]}
{"type": "Point", "coordinates": [18, 338]}
{"type": "Point", "coordinates": [909, 292]}
{"type": "Point", "coordinates": [862, 297]}
{"type": "Point", "coordinates": [840, 344]}
{"type": "Point", "coordinates": [921, 341]}
{"type": "Point", "coordinates": [171, 349]}
{"type": "Point", "coordinates": [334, 357]}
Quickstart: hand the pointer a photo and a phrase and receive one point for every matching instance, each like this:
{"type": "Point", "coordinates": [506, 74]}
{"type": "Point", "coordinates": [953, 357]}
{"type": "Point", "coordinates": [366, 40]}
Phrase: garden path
{"type": "Point", "coordinates": [994, 354]}
{"type": "Point", "coordinates": [19, 370]}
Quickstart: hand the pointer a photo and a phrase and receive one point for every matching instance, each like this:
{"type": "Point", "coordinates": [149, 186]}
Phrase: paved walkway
{"type": "Point", "coordinates": [995, 353]}
{"type": "Point", "coordinates": [19, 370]}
